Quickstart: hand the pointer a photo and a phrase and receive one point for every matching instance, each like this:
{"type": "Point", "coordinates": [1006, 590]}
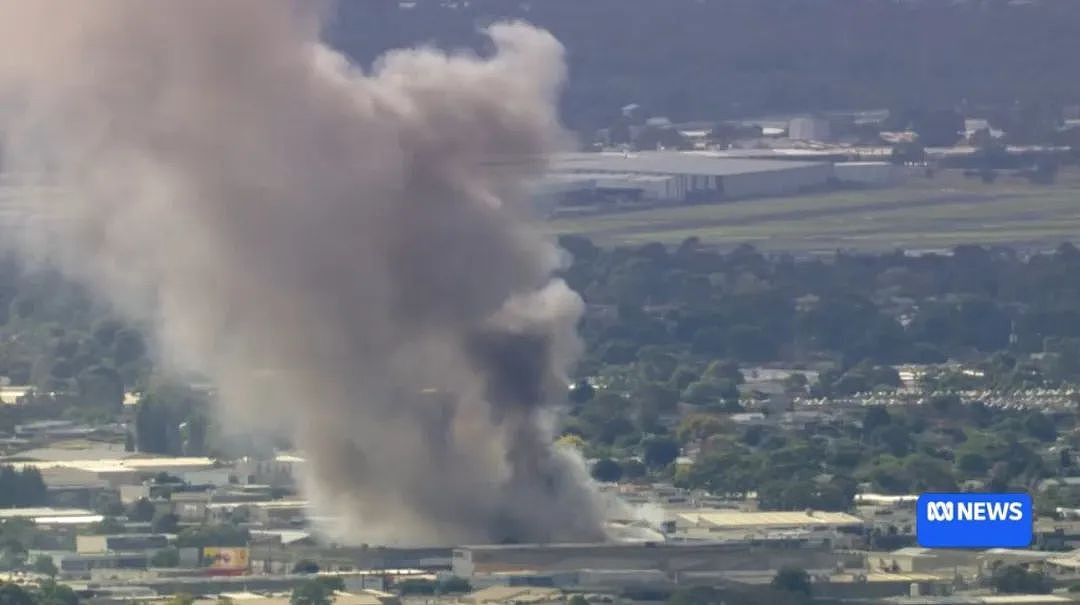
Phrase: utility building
{"type": "Point", "coordinates": [668, 176]}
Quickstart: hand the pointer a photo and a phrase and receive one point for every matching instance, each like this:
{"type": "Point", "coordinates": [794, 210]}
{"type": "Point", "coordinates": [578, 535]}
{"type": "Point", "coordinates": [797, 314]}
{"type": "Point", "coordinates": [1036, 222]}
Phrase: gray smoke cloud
{"type": "Point", "coordinates": [344, 253]}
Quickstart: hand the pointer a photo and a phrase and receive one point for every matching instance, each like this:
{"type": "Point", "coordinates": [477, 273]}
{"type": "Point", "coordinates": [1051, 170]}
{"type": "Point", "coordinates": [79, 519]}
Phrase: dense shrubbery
{"type": "Point", "coordinates": [21, 487]}
{"type": "Point", "coordinates": [666, 314]}
{"type": "Point", "coordinates": [675, 325]}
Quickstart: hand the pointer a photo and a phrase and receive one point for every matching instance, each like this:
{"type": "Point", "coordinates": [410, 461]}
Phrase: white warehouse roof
{"type": "Point", "coordinates": [668, 162]}
{"type": "Point", "coordinates": [738, 519]}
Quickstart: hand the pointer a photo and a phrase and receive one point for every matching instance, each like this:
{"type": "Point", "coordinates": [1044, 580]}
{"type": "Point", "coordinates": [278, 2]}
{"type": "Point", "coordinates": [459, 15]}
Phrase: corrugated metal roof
{"type": "Point", "coordinates": [516, 594]}
{"type": "Point", "coordinates": [667, 162]}
{"type": "Point", "coordinates": [735, 519]}
{"type": "Point", "coordinates": [997, 599]}
{"type": "Point", "coordinates": [121, 465]}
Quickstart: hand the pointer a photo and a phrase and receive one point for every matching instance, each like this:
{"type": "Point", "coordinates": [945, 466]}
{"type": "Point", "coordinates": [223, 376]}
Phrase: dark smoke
{"type": "Point", "coordinates": [344, 253]}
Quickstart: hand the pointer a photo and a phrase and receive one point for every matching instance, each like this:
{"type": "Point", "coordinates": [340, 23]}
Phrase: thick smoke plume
{"type": "Point", "coordinates": [344, 253]}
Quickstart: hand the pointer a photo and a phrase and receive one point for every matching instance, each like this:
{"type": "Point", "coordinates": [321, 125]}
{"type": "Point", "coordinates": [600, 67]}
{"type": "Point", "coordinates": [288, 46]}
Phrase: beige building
{"type": "Point", "coordinates": [838, 529]}
{"type": "Point", "coordinates": [922, 560]}
{"type": "Point", "coordinates": [518, 595]}
{"type": "Point", "coordinates": [362, 597]}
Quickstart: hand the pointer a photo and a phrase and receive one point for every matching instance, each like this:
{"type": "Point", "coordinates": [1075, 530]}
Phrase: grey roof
{"type": "Point", "coordinates": [667, 162]}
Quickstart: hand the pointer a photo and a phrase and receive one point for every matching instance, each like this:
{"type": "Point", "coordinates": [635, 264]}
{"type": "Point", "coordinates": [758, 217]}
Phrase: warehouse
{"type": "Point", "coordinates": [747, 555]}
{"type": "Point", "coordinates": [832, 528]}
{"type": "Point", "coordinates": [868, 174]}
{"type": "Point", "coordinates": [682, 177]}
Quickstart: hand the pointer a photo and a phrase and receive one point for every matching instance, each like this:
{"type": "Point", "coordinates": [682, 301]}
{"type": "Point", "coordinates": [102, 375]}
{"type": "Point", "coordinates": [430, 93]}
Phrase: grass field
{"type": "Point", "coordinates": [922, 214]}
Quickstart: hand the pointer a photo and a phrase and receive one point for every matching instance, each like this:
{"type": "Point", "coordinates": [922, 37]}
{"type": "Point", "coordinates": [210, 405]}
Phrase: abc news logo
{"type": "Point", "coordinates": [974, 511]}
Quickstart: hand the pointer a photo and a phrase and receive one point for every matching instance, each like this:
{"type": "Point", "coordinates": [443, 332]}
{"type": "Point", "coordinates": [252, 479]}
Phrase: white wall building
{"type": "Point", "coordinates": [808, 129]}
{"type": "Point", "coordinates": [670, 176]}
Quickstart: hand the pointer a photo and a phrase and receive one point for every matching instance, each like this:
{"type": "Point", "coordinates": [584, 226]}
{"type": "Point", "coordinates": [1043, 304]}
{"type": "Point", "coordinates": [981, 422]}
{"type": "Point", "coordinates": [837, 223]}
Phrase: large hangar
{"type": "Point", "coordinates": [668, 176]}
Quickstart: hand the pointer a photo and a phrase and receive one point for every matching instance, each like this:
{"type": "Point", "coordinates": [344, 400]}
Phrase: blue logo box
{"type": "Point", "coordinates": [972, 520]}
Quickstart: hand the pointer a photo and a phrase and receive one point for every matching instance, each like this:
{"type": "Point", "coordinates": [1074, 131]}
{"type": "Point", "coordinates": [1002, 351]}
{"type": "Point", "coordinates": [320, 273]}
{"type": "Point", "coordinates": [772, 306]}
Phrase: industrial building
{"type": "Point", "coordinates": [86, 544]}
{"type": "Point", "coordinates": [809, 129]}
{"type": "Point", "coordinates": [470, 561]}
{"type": "Point", "coordinates": [828, 528]}
{"type": "Point", "coordinates": [869, 174]}
{"type": "Point", "coordinates": [52, 517]}
{"type": "Point", "coordinates": [685, 177]}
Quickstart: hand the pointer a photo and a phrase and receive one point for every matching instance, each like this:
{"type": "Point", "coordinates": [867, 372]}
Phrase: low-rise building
{"type": "Point", "coordinates": [362, 597]}
{"type": "Point", "coordinates": [49, 516]}
{"type": "Point", "coordinates": [80, 565]}
{"type": "Point", "coordinates": [516, 595]}
{"type": "Point", "coordinates": [190, 506]}
{"type": "Point", "coordinates": [268, 514]}
{"type": "Point", "coordinates": [921, 560]}
{"type": "Point", "coordinates": [829, 528]}
{"type": "Point", "coordinates": [848, 585]}
{"type": "Point", "coordinates": [120, 471]}
{"type": "Point", "coordinates": [668, 557]}
{"type": "Point", "coordinates": [120, 543]}
{"type": "Point", "coordinates": [686, 177]}
{"type": "Point", "coordinates": [995, 599]}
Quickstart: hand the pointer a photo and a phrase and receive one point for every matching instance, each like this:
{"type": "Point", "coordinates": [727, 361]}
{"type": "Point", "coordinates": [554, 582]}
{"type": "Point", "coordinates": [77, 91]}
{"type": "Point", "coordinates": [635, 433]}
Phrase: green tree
{"type": "Point", "coordinates": [725, 472]}
{"type": "Point", "coordinates": [660, 451]}
{"type": "Point", "coordinates": [107, 526]}
{"type": "Point", "coordinates": [908, 153]}
{"type": "Point", "coordinates": [1013, 579]}
{"type": "Point", "coordinates": [724, 370]}
{"type": "Point", "coordinates": [21, 487]}
{"type": "Point", "coordinates": [305, 566]}
{"type": "Point", "coordinates": [128, 346]}
{"type": "Point", "coordinates": [416, 586]}
{"type": "Point", "coordinates": [213, 535]}
{"type": "Point", "coordinates": [577, 600]}
{"type": "Point", "coordinates": [938, 128]}
{"type": "Point", "coordinates": [101, 386]}
{"type": "Point", "coordinates": [633, 469]}
{"type": "Point", "coordinates": [166, 557]}
{"type": "Point", "coordinates": [792, 579]}
{"type": "Point", "coordinates": [44, 565]}
{"type": "Point", "coordinates": [803, 494]}
{"type": "Point", "coordinates": [697, 595]}
{"type": "Point", "coordinates": [454, 585]}
{"type": "Point", "coordinates": [656, 366]}
{"type": "Point", "coordinates": [1040, 426]}
{"type": "Point", "coordinates": [972, 464]}
{"type": "Point", "coordinates": [13, 594]}
{"type": "Point", "coordinates": [657, 396]}
{"type": "Point", "coordinates": [166, 523]}
{"type": "Point", "coordinates": [581, 392]}
{"type": "Point", "coordinates": [142, 510]}
{"type": "Point", "coordinates": [160, 415]}
{"type": "Point", "coordinates": [893, 438]}
{"type": "Point", "coordinates": [875, 417]}
{"type": "Point", "coordinates": [607, 470]}
{"type": "Point", "coordinates": [711, 392]}
{"type": "Point", "coordinates": [696, 427]}
{"type": "Point", "coordinates": [181, 598]}
{"type": "Point", "coordinates": [930, 474]}
{"type": "Point", "coordinates": [795, 383]}
{"type": "Point", "coordinates": [311, 592]}
{"type": "Point", "coordinates": [52, 593]}
{"type": "Point", "coordinates": [332, 583]}
{"type": "Point", "coordinates": [889, 476]}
